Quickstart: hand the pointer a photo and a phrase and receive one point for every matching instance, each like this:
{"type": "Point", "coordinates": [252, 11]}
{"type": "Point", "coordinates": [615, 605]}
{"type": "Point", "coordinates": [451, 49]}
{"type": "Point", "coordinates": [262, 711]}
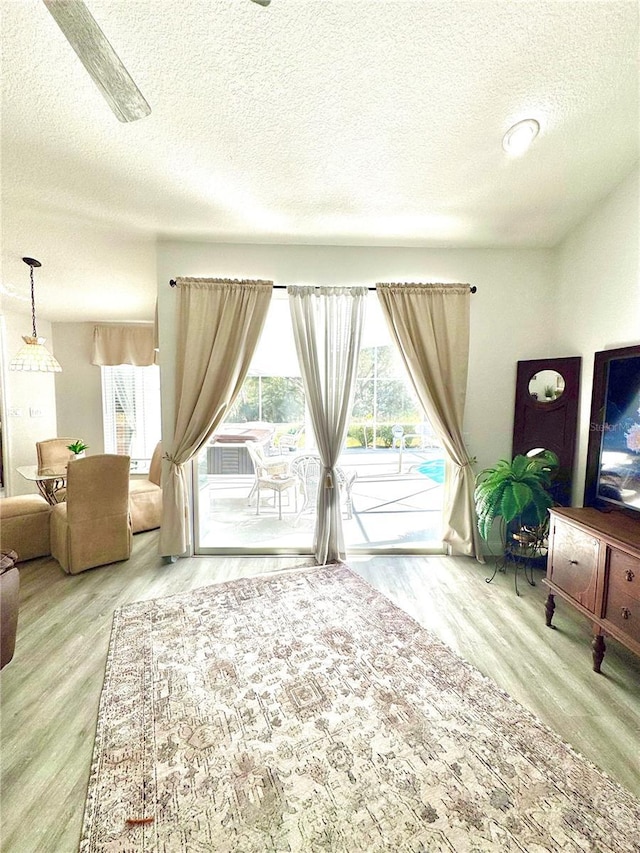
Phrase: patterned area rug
{"type": "Point", "coordinates": [302, 711]}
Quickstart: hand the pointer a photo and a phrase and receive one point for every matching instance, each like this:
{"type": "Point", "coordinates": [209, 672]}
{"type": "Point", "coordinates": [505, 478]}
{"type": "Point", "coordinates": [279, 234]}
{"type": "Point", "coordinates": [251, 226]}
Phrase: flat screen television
{"type": "Point", "coordinates": [613, 456]}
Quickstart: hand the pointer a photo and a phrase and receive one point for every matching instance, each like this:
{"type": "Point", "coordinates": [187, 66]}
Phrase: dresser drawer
{"type": "Point", "coordinates": [623, 611]}
{"type": "Point", "coordinates": [624, 574]}
{"type": "Point", "coordinates": [573, 563]}
{"type": "Point", "coordinates": [594, 565]}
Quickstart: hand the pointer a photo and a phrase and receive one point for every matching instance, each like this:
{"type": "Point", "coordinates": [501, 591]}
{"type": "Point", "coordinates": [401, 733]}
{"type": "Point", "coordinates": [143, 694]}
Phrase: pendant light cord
{"type": "Point", "coordinates": [31, 263]}
{"type": "Point", "coordinates": [33, 304]}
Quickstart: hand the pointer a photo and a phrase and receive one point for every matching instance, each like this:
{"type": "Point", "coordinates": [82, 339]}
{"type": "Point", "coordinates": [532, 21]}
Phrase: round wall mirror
{"type": "Point", "coordinates": [546, 386]}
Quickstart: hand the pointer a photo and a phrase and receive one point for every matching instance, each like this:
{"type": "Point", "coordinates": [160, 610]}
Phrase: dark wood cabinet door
{"type": "Point", "coordinates": [573, 563]}
{"type": "Point", "coordinates": [546, 414]}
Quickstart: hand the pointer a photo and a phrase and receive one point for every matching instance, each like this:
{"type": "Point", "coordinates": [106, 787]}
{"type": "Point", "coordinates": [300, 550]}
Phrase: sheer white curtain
{"type": "Point", "coordinates": [327, 328]}
{"type": "Point", "coordinates": [219, 323]}
{"type": "Point", "coordinates": [430, 324]}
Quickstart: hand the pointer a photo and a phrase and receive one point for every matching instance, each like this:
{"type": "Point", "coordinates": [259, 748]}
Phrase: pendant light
{"type": "Point", "coordinates": [34, 356]}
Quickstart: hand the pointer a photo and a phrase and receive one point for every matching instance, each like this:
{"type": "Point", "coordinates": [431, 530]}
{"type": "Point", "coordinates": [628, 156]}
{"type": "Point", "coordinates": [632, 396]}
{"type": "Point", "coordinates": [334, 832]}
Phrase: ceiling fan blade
{"type": "Point", "coordinates": [262, 2]}
{"type": "Point", "coordinates": [99, 58]}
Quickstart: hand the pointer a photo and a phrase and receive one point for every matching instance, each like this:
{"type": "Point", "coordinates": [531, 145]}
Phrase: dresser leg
{"type": "Point", "coordinates": [599, 649]}
{"type": "Point", "coordinates": [549, 609]}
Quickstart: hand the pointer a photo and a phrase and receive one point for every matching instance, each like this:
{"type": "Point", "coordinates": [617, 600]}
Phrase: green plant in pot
{"type": "Point", "coordinates": [517, 492]}
{"type": "Point", "coordinates": [77, 447]}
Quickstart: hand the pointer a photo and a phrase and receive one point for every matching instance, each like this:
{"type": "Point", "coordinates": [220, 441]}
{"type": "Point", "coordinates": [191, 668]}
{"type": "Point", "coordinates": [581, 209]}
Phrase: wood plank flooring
{"type": "Point", "coordinates": [50, 691]}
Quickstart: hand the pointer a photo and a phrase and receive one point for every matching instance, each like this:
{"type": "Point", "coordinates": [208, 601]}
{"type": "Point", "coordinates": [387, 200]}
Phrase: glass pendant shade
{"type": "Point", "coordinates": [34, 356]}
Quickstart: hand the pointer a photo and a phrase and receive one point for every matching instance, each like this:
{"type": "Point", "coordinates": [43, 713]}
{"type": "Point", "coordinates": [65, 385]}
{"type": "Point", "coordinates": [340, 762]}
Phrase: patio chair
{"type": "Point", "coordinates": [426, 437]}
{"type": "Point", "coordinates": [308, 469]}
{"type": "Point", "coordinates": [272, 465]}
{"type": "Point", "coordinates": [289, 441]}
{"type": "Point", "coordinates": [273, 473]}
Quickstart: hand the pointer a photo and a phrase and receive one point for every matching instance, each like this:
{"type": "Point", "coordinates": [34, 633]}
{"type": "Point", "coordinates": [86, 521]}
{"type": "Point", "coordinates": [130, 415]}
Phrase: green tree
{"type": "Point", "coordinates": [246, 406]}
{"type": "Point", "coordinates": [382, 387]}
{"type": "Point", "coordinates": [282, 399]}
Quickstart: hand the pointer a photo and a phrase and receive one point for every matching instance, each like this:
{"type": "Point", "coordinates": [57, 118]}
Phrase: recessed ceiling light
{"type": "Point", "coordinates": [518, 138]}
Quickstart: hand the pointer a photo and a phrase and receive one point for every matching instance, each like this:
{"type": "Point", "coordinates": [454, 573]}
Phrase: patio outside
{"type": "Point", "coordinates": [397, 493]}
{"type": "Point", "coordinates": [396, 501]}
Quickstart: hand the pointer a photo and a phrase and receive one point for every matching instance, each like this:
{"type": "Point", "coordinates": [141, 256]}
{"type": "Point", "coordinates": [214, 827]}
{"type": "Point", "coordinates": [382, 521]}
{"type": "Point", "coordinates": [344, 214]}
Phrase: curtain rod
{"type": "Point", "coordinates": [173, 283]}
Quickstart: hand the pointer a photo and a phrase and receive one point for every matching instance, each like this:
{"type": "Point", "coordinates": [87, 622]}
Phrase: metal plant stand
{"type": "Point", "coordinates": [526, 547]}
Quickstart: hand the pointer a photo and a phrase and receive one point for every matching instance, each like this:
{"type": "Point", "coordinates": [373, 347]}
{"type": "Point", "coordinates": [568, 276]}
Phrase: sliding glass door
{"type": "Point", "coordinates": [234, 514]}
{"type": "Point", "coordinates": [391, 468]}
{"type": "Point", "coordinates": [398, 490]}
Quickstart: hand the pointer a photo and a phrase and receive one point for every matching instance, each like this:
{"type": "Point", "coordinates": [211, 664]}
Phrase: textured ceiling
{"type": "Point", "coordinates": [353, 122]}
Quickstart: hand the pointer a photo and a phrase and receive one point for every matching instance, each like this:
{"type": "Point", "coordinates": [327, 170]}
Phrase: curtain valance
{"type": "Point", "coordinates": [126, 343]}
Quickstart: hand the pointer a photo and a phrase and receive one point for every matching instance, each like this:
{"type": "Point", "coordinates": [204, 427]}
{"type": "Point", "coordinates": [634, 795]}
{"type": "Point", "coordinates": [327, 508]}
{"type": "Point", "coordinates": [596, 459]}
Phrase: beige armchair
{"type": "Point", "coordinates": [92, 527]}
{"type": "Point", "coordinates": [145, 496]}
{"type": "Point", "coordinates": [53, 455]}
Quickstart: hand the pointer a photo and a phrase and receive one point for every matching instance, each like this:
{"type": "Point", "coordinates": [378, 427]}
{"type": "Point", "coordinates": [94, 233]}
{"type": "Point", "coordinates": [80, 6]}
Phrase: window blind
{"type": "Point", "coordinates": [131, 412]}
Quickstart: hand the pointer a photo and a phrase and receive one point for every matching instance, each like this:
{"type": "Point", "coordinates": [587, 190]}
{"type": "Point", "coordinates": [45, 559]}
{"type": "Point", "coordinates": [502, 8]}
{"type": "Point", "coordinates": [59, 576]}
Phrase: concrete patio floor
{"type": "Point", "coordinates": [393, 510]}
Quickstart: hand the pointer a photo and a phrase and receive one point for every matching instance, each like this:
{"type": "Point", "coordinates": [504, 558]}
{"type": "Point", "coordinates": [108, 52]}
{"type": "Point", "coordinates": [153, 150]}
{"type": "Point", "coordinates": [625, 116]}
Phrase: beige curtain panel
{"type": "Point", "coordinates": [430, 324]}
{"type": "Point", "coordinates": [127, 343]}
{"type": "Point", "coordinates": [219, 324]}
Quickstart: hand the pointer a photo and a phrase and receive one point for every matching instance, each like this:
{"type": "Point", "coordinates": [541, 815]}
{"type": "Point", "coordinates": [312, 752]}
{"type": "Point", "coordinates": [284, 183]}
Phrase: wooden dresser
{"type": "Point", "coordinates": [594, 564]}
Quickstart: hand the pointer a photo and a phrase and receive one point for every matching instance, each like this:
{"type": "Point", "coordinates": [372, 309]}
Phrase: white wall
{"type": "Point", "coordinates": [79, 386]}
{"type": "Point", "coordinates": [509, 313]}
{"type": "Point", "coordinates": [597, 305]}
{"type": "Point", "coordinates": [30, 414]}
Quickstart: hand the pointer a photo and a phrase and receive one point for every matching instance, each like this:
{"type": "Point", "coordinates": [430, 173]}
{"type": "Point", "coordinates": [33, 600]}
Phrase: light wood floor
{"type": "Point", "coordinates": [50, 690]}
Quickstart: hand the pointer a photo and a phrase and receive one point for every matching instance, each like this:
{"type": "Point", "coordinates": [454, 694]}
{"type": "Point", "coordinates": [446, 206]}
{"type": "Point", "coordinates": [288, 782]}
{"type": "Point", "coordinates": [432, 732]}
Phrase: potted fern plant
{"type": "Point", "coordinates": [517, 493]}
